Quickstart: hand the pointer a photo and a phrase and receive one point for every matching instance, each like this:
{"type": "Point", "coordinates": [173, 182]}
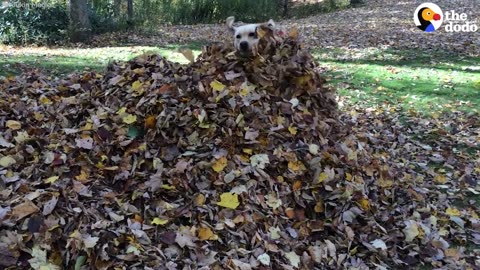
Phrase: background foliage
{"type": "Point", "coordinates": [41, 24]}
{"type": "Point", "coordinates": [46, 22]}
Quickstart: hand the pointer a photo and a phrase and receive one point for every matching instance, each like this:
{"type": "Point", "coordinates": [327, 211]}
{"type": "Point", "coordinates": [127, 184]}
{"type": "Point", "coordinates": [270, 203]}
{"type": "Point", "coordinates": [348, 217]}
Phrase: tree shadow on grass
{"type": "Point", "coordinates": [421, 82]}
{"type": "Point", "coordinates": [411, 58]}
{"type": "Point", "coordinates": [423, 95]}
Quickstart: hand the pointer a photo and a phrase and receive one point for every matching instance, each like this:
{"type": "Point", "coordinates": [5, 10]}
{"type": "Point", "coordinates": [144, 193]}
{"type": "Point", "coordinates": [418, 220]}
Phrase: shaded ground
{"type": "Point", "coordinates": [378, 24]}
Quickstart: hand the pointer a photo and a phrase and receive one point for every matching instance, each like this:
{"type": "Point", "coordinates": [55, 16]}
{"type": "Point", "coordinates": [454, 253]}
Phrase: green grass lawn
{"type": "Point", "coordinates": [429, 83]}
{"type": "Point", "coordinates": [67, 60]}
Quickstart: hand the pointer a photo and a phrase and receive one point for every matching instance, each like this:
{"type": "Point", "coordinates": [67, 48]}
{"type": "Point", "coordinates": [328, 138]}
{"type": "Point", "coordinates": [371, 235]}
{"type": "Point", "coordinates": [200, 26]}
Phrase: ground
{"type": "Point", "coordinates": [413, 98]}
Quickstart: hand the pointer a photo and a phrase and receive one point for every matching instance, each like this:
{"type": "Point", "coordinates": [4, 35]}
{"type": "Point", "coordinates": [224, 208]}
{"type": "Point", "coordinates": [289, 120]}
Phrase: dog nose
{"type": "Point", "coordinates": [243, 45]}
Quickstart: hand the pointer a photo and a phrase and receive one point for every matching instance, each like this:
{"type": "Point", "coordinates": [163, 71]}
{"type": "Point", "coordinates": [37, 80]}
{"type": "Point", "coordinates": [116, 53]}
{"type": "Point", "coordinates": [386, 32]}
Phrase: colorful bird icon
{"type": "Point", "coordinates": [426, 16]}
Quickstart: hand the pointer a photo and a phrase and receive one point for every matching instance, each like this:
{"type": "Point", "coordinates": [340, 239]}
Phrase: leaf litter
{"type": "Point", "coordinates": [226, 163]}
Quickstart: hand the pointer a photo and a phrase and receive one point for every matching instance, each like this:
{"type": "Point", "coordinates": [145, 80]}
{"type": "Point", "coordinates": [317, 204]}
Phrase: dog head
{"type": "Point", "coordinates": [245, 37]}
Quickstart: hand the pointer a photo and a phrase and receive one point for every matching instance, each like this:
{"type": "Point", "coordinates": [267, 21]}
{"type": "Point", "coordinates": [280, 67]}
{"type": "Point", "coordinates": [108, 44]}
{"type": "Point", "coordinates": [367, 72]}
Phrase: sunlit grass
{"type": "Point", "coordinates": [429, 83]}
{"type": "Point", "coordinates": [65, 60]}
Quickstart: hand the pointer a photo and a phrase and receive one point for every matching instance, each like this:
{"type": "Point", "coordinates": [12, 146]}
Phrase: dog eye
{"type": "Point", "coordinates": [251, 34]}
{"type": "Point", "coordinates": [238, 36]}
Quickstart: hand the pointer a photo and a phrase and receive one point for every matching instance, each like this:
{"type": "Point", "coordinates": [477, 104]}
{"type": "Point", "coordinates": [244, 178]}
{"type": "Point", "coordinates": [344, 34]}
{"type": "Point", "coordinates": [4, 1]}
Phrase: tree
{"type": "Point", "coordinates": [80, 27]}
{"type": "Point", "coordinates": [284, 7]}
{"type": "Point", "coordinates": [116, 8]}
{"type": "Point", "coordinates": [130, 13]}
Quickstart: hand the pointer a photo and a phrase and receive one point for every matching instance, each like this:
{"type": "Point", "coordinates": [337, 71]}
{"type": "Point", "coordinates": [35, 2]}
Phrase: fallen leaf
{"type": "Point", "coordinates": [264, 259]}
{"type": "Point", "coordinates": [39, 260]}
{"type": "Point", "coordinates": [411, 230]}
{"type": "Point", "coordinates": [13, 125]}
{"type": "Point", "coordinates": [159, 221]}
{"type": "Point", "coordinates": [259, 160]}
{"type": "Point", "coordinates": [206, 233]}
{"type": "Point", "coordinates": [24, 209]}
{"type": "Point", "coordinates": [129, 118]}
{"type": "Point", "coordinates": [7, 161]}
{"type": "Point", "coordinates": [219, 164]}
{"type": "Point", "coordinates": [229, 200]}
{"type": "Point", "coordinates": [188, 54]}
{"type": "Point", "coordinates": [217, 86]}
{"type": "Point", "coordinates": [379, 243]}
{"type": "Point", "coordinates": [150, 122]}
{"type": "Point", "coordinates": [293, 258]}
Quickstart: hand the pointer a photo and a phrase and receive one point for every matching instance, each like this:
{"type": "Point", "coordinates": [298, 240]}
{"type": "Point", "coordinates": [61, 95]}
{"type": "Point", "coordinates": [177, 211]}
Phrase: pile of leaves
{"type": "Point", "coordinates": [225, 163]}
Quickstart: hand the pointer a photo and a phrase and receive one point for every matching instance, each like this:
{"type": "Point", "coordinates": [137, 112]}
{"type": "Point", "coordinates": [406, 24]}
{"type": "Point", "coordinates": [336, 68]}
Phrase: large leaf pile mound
{"type": "Point", "coordinates": [226, 163]}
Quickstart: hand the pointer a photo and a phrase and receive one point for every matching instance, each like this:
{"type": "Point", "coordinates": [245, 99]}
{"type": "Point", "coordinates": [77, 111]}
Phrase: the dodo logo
{"type": "Point", "coordinates": [428, 17]}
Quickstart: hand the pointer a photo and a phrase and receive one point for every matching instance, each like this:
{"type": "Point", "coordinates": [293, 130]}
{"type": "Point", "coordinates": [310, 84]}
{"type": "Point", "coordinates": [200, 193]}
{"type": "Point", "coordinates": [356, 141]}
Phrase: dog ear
{"type": "Point", "coordinates": [229, 22]}
{"type": "Point", "coordinates": [271, 23]}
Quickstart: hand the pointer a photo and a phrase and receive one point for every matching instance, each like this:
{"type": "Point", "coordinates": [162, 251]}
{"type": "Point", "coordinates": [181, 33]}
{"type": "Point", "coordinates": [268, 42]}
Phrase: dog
{"type": "Point", "coordinates": [246, 37]}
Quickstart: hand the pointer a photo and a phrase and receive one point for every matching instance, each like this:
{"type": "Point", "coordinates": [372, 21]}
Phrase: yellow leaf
{"type": "Point", "coordinates": [159, 221]}
{"type": "Point", "coordinates": [292, 129]}
{"type": "Point", "coordinates": [220, 164]}
{"type": "Point", "coordinates": [137, 86]}
{"type": "Point", "coordinates": [121, 110]}
{"type": "Point", "coordinates": [229, 200]}
{"type": "Point", "coordinates": [300, 81]}
{"type": "Point", "coordinates": [247, 151]}
{"type": "Point", "coordinates": [319, 207]}
{"type": "Point", "coordinates": [364, 204]}
{"type": "Point", "coordinates": [38, 116]}
{"type": "Point", "coordinates": [200, 200]}
{"type": "Point", "coordinates": [261, 32]}
{"type": "Point", "coordinates": [140, 71]}
{"type": "Point", "coordinates": [51, 179]}
{"type": "Point", "coordinates": [206, 234]}
{"type": "Point", "coordinates": [44, 100]}
{"type": "Point", "coordinates": [297, 185]}
{"type": "Point", "coordinates": [13, 125]}
{"type": "Point", "coordinates": [82, 177]}
{"type": "Point", "coordinates": [322, 177]}
{"type": "Point", "coordinates": [168, 187]}
{"type": "Point", "coordinates": [129, 118]}
{"type": "Point", "coordinates": [296, 166]}
{"type": "Point", "coordinates": [453, 212]}
{"type": "Point", "coordinates": [348, 176]}
{"type": "Point", "coordinates": [150, 122]}
{"type": "Point", "coordinates": [217, 86]}
{"type": "Point", "coordinates": [293, 33]}
{"type": "Point", "coordinates": [7, 161]}
{"type": "Point", "coordinates": [385, 183]}
{"type": "Point", "coordinates": [440, 178]}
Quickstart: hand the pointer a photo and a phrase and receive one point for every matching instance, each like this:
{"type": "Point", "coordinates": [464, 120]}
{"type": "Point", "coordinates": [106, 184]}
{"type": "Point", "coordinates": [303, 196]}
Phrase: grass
{"type": "Point", "coordinates": [429, 83]}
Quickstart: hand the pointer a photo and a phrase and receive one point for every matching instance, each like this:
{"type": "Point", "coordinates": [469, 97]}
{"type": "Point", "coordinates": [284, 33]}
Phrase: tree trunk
{"type": "Point", "coordinates": [130, 13]}
{"type": "Point", "coordinates": [116, 8]}
{"type": "Point", "coordinates": [285, 8]}
{"type": "Point", "coordinates": [80, 27]}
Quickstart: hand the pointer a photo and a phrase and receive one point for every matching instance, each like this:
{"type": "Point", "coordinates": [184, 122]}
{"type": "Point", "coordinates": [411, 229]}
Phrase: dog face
{"type": "Point", "coordinates": [245, 37]}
